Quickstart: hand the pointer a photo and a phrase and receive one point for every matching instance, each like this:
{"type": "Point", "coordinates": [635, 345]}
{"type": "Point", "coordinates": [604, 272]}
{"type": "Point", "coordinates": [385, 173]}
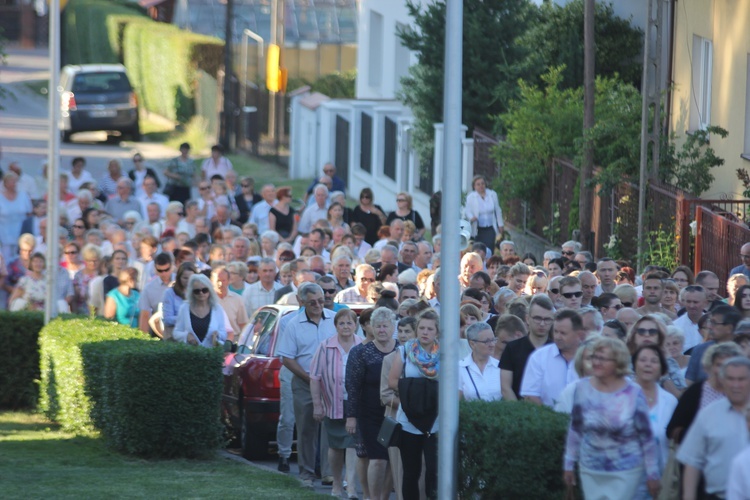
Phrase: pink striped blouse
{"type": "Point", "coordinates": [329, 367]}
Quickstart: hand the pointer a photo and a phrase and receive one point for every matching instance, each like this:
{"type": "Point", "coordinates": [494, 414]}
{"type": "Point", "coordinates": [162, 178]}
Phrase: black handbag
{"type": "Point", "coordinates": [390, 433]}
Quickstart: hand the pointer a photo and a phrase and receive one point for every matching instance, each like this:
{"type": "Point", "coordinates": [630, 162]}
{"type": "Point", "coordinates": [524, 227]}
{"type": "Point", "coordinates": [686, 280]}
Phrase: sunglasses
{"type": "Point", "coordinates": [568, 253]}
{"type": "Point", "coordinates": [554, 290]}
{"type": "Point", "coordinates": [166, 269]}
{"type": "Point", "coordinates": [245, 185]}
{"type": "Point", "coordinates": [329, 292]}
{"type": "Point", "coordinates": [204, 188]}
{"type": "Point", "coordinates": [647, 332]}
{"type": "Point", "coordinates": [618, 307]}
{"type": "Point", "coordinates": [365, 197]}
{"type": "Point", "coordinates": [399, 201]}
{"type": "Point", "coordinates": [198, 291]}
{"type": "Point", "coordinates": [79, 226]}
{"type": "Point", "coordinates": [71, 252]}
{"type": "Point", "coordinates": [570, 295]}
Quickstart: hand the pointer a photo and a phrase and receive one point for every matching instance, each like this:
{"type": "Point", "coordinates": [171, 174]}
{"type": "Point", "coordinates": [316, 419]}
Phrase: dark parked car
{"type": "Point", "coordinates": [98, 97]}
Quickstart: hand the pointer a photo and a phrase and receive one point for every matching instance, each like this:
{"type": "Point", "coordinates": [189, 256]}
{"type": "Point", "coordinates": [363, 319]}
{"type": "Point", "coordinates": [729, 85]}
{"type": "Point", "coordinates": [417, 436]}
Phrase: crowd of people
{"type": "Point", "coordinates": [653, 368]}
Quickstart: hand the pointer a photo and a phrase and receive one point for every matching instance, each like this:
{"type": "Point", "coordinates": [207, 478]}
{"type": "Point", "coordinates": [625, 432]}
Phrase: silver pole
{"type": "Point", "coordinates": [642, 186]}
{"type": "Point", "coordinates": [53, 163]}
{"type": "Point", "coordinates": [449, 290]}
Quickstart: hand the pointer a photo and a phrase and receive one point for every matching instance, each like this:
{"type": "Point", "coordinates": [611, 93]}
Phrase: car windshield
{"type": "Point", "coordinates": [113, 81]}
{"type": "Point", "coordinates": [256, 339]}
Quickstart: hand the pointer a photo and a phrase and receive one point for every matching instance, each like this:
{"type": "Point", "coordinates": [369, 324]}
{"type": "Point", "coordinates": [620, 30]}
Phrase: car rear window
{"type": "Point", "coordinates": [101, 82]}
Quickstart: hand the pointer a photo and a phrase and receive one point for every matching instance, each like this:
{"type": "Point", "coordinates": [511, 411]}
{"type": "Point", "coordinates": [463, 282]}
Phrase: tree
{"type": "Point", "coordinates": [557, 39]}
{"type": "Point", "coordinates": [493, 62]}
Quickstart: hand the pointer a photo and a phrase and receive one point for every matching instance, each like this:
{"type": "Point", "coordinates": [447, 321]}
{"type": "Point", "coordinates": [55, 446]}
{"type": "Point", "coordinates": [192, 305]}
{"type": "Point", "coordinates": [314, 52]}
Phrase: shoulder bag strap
{"type": "Point", "coordinates": [473, 383]}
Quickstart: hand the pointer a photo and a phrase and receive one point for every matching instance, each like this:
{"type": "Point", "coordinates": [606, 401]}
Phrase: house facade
{"type": "Point", "coordinates": [711, 74]}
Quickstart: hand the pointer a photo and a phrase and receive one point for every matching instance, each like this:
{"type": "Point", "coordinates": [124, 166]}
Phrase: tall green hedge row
{"type": "Point", "coordinates": [162, 60]}
{"type": "Point", "coordinates": [61, 394]}
{"type": "Point", "coordinates": [19, 358]}
{"type": "Point", "coordinates": [155, 399]}
{"type": "Point", "coordinates": [510, 450]}
{"type": "Point", "coordinates": [87, 36]}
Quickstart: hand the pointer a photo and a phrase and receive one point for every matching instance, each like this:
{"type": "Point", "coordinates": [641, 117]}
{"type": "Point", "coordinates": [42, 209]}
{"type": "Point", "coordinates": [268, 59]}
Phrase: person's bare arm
{"type": "Point", "coordinates": [143, 318]}
{"type": "Point", "coordinates": [110, 308]}
{"type": "Point", "coordinates": [293, 366]}
{"type": "Point", "coordinates": [395, 373]}
{"type": "Point", "coordinates": [690, 479]}
{"type": "Point", "coordinates": [506, 385]}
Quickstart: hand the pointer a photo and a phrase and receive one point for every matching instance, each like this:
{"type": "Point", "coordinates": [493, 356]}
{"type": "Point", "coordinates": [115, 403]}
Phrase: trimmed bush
{"type": "Point", "coordinates": [163, 63]}
{"type": "Point", "coordinates": [155, 399]}
{"type": "Point", "coordinates": [61, 394]}
{"type": "Point", "coordinates": [510, 450]}
{"type": "Point", "coordinates": [19, 358]}
{"type": "Point", "coordinates": [88, 33]}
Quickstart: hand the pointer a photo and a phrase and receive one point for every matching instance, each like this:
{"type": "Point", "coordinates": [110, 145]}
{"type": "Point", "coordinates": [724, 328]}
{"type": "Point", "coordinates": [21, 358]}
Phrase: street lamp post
{"type": "Point", "coordinates": [226, 135]}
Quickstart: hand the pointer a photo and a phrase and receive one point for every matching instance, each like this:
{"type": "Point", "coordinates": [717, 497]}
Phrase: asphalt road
{"type": "Point", "coordinates": [24, 124]}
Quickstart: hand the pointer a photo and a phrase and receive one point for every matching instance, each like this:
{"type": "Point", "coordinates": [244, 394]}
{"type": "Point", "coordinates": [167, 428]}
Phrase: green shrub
{"type": "Point", "coordinates": [61, 394]}
{"type": "Point", "coordinates": [510, 450]}
{"type": "Point", "coordinates": [163, 63]}
{"type": "Point", "coordinates": [87, 30]}
{"type": "Point", "coordinates": [19, 358]}
{"type": "Point", "coordinates": [155, 399]}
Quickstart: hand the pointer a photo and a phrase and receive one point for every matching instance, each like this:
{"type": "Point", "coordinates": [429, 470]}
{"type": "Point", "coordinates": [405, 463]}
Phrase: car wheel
{"type": "Point", "coordinates": [135, 134]}
{"type": "Point", "coordinates": [254, 447]}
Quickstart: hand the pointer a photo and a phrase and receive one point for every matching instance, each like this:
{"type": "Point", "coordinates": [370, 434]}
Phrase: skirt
{"type": "Point", "coordinates": [605, 485]}
{"type": "Point", "coordinates": [338, 438]}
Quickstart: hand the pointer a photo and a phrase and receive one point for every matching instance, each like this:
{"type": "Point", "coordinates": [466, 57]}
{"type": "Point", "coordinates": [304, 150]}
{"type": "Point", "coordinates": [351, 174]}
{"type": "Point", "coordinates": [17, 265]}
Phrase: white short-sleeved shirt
{"type": "Point", "coordinates": [738, 486]}
{"type": "Point", "coordinates": [300, 337]}
{"type": "Point", "coordinates": [690, 330]}
{"type": "Point", "coordinates": [718, 434]}
{"type": "Point", "coordinates": [479, 385]}
{"type": "Point", "coordinates": [547, 373]}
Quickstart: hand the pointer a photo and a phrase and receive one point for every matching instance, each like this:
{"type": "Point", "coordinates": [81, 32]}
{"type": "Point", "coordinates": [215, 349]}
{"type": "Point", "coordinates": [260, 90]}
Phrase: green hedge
{"type": "Point", "coordinates": [61, 394]}
{"type": "Point", "coordinates": [510, 450]}
{"type": "Point", "coordinates": [155, 399]}
{"type": "Point", "coordinates": [163, 63]}
{"type": "Point", "coordinates": [88, 35]}
{"type": "Point", "coordinates": [19, 358]}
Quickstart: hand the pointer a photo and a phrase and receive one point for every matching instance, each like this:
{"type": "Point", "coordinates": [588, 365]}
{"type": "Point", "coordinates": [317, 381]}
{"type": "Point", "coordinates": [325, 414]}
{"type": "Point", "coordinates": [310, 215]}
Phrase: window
{"type": "Point", "coordinates": [265, 335]}
{"type": "Point", "coordinates": [250, 334]}
{"type": "Point", "coordinates": [375, 63]}
{"type": "Point", "coordinates": [401, 59]}
{"type": "Point", "coordinates": [389, 157]}
{"type": "Point", "coordinates": [365, 143]}
{"type": "Point", "coordinates": [700, 96]}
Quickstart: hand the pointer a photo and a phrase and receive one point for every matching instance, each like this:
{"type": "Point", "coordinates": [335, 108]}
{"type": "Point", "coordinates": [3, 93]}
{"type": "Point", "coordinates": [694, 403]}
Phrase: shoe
{"type": "Point", "coordinates": [308, 483]}
{"type": "Point", "coordinates": [327, 481]}
{"type": "Point", "coordinates": [352, 495]}
{"type": "Point", "coordinates": [283, 464]}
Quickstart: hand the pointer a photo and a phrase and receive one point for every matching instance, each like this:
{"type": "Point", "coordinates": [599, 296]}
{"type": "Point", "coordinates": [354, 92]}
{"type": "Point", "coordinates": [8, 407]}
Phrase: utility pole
{"type": "Point", "coordinates": [650, 128]}
{"type": "Point", "coordinates": [449, 291]}
{"type": "Point", "coordinates": [585, 200]}
{"type": "Point", "coordinates": [226, 136]}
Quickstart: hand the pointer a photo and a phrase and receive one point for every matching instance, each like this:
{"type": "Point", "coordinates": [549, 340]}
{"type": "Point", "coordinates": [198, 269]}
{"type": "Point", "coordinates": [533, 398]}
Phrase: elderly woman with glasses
{"type": "Point", "coordinates": [610, 435]}
{"type": "Point", "coordinates": [200, 320]}
{"type": "Point", "coordinates": [479, 372]}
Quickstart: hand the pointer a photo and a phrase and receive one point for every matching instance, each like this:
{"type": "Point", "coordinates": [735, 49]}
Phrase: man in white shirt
{"type": "Point", "coordinates": [550, 368]}
{"type": "Point", "coordinates": [424, 256]}
{"type": "Point", "coordinates": [694, 299]}
{"type": "Point", "coordinates": [150, 195]}
{"type": "Point", "coordinates": [315, 211]}
{"type": "Point", "coordinates": [718, 434]}
{"type": "Point", "coordinates": [261, 292]}
{"type": "Point", "coordinates": [259, 215]}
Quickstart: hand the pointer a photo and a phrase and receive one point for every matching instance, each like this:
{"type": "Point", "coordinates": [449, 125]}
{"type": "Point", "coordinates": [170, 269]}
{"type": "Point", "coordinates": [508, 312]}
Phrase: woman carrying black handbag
{"type": "Point", "coordinates": [419, 360]}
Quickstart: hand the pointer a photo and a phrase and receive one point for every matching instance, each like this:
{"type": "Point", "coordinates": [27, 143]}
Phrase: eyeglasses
{"type": "Point", "coordinates": [486, 342]}
{"type": "Point", "coordinates": [198, 291]}
{"type": "Point", "coordinates": [71, 252]}
{"type": "Point", "coordinates": [399, 200]}
{"type": "Point", "coordinates": [79, 226]}
{"type": "Point", "coordinates": [570, 295]}
{"type": "Point", "coordinates": [540, 319]}
{"type": "Point", "coordinates": [181, 214]}
{"type": "Point", "coordinates": [204, 188]}
{"type": "Point", "coordinates": [312, 302]}
{"type": "Point", "coordinates": [554, 290]}
{"type": "Point", "coordinates": [601, 359]}
{"type": "Point", "coordinates": [647, 332]}
{"type": "Point", "coordinates": [166, 269]}
{"type": "Point", "coordinates": [245, 185]}
{"type": "Point", "coordinates": [744, 256]}
{"type": "Point", "coordinates": [329, 292]}
{"type": "Point", "coordinates": [365, 197]}
{"type": "Point", "coordinates": [618, 307]}
{"type": "Point", "coordinates": [568, 253]}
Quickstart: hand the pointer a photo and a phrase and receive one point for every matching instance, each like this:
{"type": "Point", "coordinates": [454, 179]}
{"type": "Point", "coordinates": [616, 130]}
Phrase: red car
{"type": "Point", "coordinates": [250, 403]}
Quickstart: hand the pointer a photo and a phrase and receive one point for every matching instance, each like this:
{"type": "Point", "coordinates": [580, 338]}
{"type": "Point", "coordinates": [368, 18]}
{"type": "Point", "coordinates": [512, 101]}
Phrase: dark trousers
{"type": "Point", "coordinates": [486, 235]}
{"type": "Point", "coordinates": [412, 446]}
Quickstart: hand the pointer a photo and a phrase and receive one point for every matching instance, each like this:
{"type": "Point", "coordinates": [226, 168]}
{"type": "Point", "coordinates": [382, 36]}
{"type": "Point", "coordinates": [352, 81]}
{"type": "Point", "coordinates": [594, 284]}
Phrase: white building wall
{"type": "Point", "coordinates": [381, 59]}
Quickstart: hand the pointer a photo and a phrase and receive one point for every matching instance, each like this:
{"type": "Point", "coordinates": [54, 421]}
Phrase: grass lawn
{"type": "Point", "coordinates": [39, 461]}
